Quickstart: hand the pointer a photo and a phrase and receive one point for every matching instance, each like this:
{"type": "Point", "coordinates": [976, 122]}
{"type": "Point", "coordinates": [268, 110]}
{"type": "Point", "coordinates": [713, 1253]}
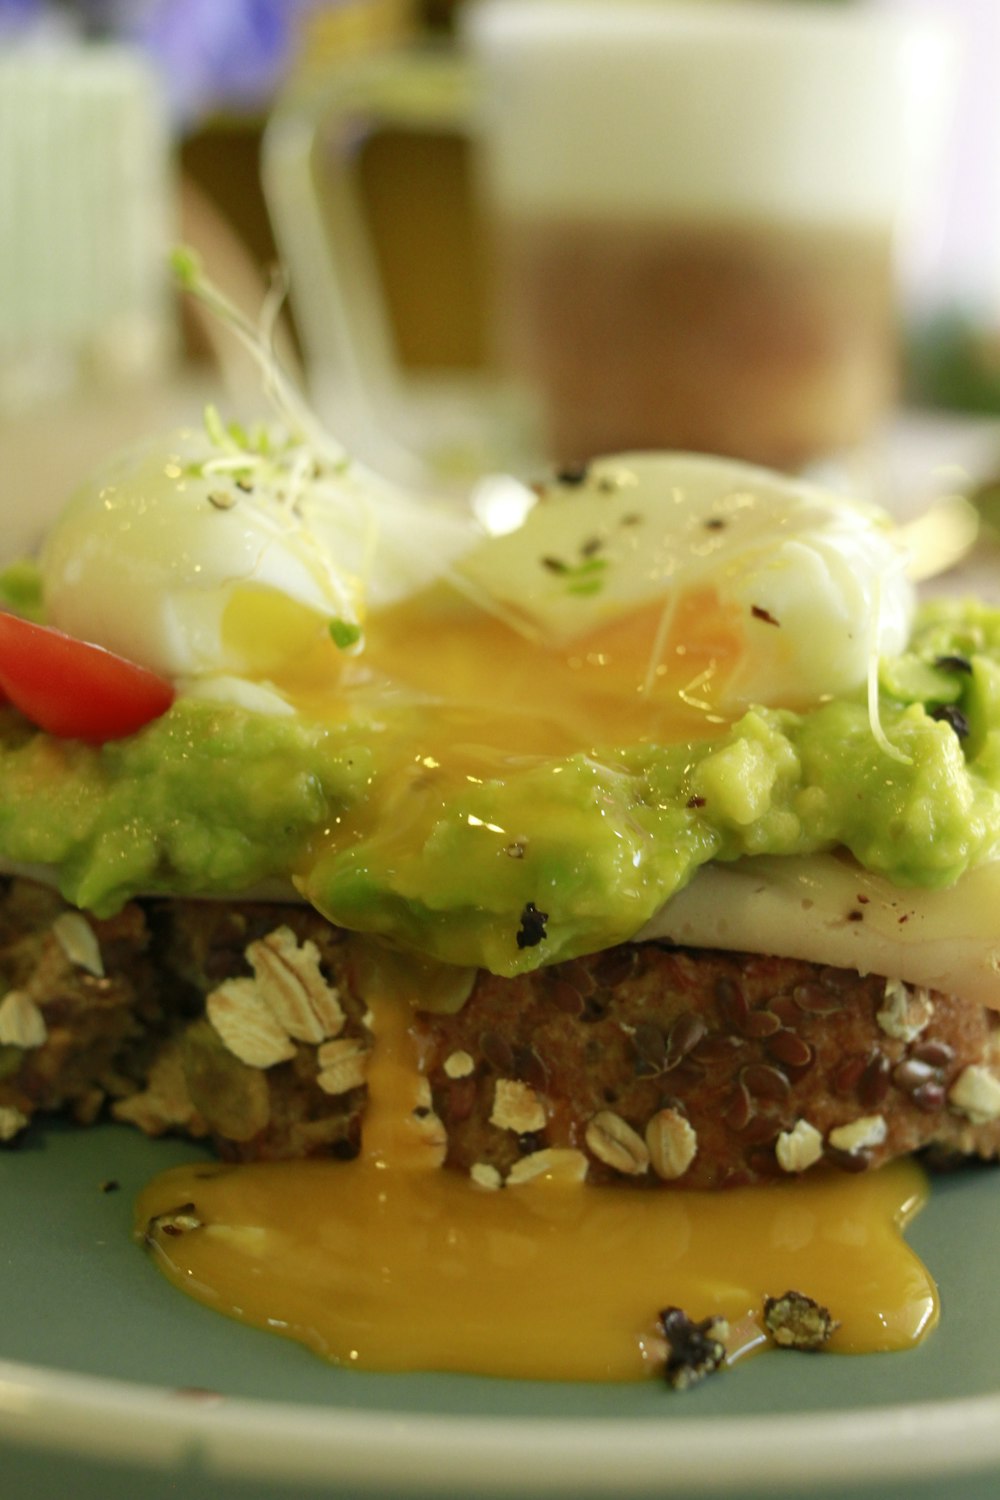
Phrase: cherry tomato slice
{"type": "Point", "coordinates": [73, 689]}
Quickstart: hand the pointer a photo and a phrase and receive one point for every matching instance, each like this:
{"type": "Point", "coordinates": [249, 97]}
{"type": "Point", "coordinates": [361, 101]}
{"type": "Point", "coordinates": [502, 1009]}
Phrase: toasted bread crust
{"type": "Point", "coordinates": [753, 1067]}
{"type": "Point", "coordinates": [657, 1066]}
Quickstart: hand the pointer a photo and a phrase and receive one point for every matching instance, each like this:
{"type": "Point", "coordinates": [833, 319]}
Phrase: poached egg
{"type": "Point", "coordinates": [709, 581]}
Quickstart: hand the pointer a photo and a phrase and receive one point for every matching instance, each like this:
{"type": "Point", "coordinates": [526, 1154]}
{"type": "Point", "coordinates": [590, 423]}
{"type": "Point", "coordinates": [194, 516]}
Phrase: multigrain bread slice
{"type": "Point", "coordinates": [712, 1069]}
{"type": "Point", "coordinates": [246, 1024]}
{"type": "Point", "coordinates": [161, 1017]}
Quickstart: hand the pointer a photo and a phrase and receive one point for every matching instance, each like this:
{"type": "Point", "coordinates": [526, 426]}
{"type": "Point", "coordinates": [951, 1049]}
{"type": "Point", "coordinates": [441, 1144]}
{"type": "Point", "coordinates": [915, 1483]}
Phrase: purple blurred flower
{"type": "Point", "coordinates": [29, 19]}
{"type": "Point", "coordinates": [19, 12]}
{"type": "Point", "coordinates": [215, 54]}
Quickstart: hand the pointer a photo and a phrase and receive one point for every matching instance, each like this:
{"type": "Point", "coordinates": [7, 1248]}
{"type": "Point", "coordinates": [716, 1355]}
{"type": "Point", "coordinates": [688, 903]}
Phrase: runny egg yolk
{"type": "Point", "coordinates": [265, 629]}
{"type": "Point", "coordinates": [390, 1262]}
{"type": "Point", "coordinates": [641, 677]}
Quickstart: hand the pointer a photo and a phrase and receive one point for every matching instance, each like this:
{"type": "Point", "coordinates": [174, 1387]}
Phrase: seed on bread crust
{"type": "Point", "coordinates": [907, 1010]}
{"type": "Point", "coordinates": [517, 1107]}
{"type": "Point", "coordinates": [976, 1093]}
{"type": "Point", "coordinates": [613, 1141]}
{"type": "Point", "coordinates": [247, 1025]}
{"type": "Point", "coordinates": [859, 1135]}
{"type": "Point", "coordinates": [672, 1144]}
{"type": "Point", "coordinates": [800, 1148]}
{"type": "Point", "coordinates": [287, 975]}
{"type": "Point", "coordinates": [560, 1165]}
{"type": "Point", "coordinates": [78, 941]}
{"type": "Point", "coordinates": [21, 1022]}
{"type": "Point", "coordinates": [342, 1064]}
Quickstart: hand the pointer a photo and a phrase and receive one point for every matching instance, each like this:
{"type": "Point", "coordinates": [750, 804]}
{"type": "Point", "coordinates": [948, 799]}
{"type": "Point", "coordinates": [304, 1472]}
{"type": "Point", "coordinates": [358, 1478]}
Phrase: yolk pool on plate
{"type": "Point", "coordinates": [389, 1263]}
{"type": "Point", "coordinates": [397, 1270]}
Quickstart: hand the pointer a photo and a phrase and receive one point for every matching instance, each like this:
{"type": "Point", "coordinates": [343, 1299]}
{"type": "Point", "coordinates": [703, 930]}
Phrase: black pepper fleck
{"type": "Point", "coordinates": [532, 928]}
{"type": "Point", "coordinates": [695, 802]}
{"type": "Point", "coordinates": [694, 1350]}
{"type": "Point", "coordinates": [947, 713]}
{"type": "Point", "coordinates": [572, 474]}
{"type": "Point", "coordinates": [345, 1149]}
{"type": "Point", "coordinates": [759, 613]}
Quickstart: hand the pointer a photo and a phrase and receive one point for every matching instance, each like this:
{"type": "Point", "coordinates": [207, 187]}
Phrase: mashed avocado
{"type": "Point", "coordinates": [552, 858]}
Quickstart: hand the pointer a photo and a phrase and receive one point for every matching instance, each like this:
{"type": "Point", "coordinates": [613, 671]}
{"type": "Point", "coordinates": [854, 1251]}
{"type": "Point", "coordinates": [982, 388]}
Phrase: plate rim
{"type": "Point", "coordinates": [98, 1417]}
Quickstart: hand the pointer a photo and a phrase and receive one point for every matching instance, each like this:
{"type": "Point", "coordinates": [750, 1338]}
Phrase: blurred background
{"type": "Point", "coordinates": [428, 297]}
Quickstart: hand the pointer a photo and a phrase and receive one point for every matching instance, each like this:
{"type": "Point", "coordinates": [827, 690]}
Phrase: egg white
{"type": "Point", "coordinates": [216, 576]}
{"type": "Point", "coordinates": [819, 582]}
{"type": "Point", "coordinates": [197, 568]}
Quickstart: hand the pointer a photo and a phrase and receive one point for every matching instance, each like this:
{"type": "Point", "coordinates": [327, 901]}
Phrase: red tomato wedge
{"type": "Point", "coordinates": [73, 689]}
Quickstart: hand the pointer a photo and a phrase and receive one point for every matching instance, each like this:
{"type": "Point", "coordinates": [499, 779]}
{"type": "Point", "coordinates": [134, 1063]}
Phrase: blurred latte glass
{"type": "Point", "coordinates": [695, 214]}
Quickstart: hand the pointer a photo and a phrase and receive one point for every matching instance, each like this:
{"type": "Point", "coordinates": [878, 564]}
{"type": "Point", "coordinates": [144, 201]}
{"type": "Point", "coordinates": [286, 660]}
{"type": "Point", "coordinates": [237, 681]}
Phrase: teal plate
{"type": "Point", "coordinates": [112, 1384]}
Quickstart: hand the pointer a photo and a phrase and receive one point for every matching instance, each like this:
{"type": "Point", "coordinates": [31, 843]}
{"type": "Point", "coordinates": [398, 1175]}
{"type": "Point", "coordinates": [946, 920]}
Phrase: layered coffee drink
{"type": "Point", "coordinates": [772, 343]}
{"type": "Point", "coordinates": [698, 213]}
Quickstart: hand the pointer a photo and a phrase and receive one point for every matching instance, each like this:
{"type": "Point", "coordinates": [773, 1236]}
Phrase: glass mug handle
{"type": "Point", "coordinates": [311, 183]}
